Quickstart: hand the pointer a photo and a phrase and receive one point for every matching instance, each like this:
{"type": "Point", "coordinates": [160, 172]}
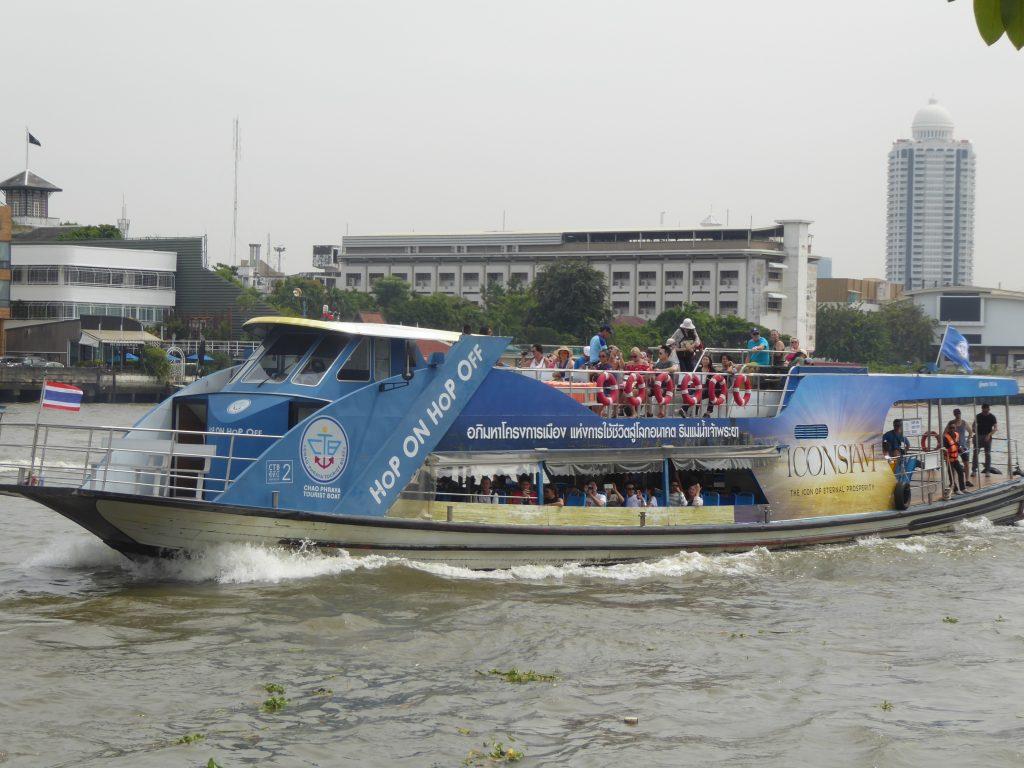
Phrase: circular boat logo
{"type": "Point", "coordinates": [238, 406]}
{"type": "Point", "coordinates": [324, 450]}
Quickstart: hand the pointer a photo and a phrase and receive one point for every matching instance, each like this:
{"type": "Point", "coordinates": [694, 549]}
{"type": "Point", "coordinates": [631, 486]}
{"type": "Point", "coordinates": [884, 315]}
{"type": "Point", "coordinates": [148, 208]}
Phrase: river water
{"type": "Point", "coordinates": [879, 653]}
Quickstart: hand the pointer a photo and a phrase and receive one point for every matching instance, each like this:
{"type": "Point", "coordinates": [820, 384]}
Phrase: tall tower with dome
{"type": "Point", "coordinates": [930, 217]}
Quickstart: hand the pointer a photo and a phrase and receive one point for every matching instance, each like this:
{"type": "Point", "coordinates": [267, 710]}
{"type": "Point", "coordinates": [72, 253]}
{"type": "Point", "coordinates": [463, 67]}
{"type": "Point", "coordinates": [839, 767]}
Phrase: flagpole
{"type": "Point", "coordinates": [26, 153]}
{"type": "Point", "coordinates": [35, 436]}
{"type": "Point", "coordinates": [938, 357]}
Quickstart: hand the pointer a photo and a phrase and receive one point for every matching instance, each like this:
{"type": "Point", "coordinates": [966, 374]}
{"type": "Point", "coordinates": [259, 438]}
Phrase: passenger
{"type": "Point", "coordinates": [984, 428]}
{"type": "Point", "coordinates": [693, 497]}
{"type": "Point", "coordinates": [524, 494]}
{"type": "Point", "coordinates": [551, 497]}
{"type": "Point", "coordinates": [603, 363]}
{"type": "Point", "coordinates": [707, 371]}
{"type": "Point", "coordinates": [777, 346]}
{"type": "Point", "coordinates": [636, 363]}
{"type": "Point", "coordinates": [758, 349]}
{"type": "Point", "coordinates": [594, 497]}
{"type": "Point", "coordinates": [634, 496]}
{"type": "Point", "coordinates": [951, 442]}
{"type": "Point", "coordinates": [893, 442]}
{"type": "Point", "coordinates": [485, 494]}
{"type": "Point", "coordinates": [467, 330]}
{"type": "Point", "coordinates": [599, 342]}
{"type": "Point", "coordinates": [667, 364]}
{"type": "Point", "coordinates": [795, 356]}
{"type": "Point", "coordinates": [728, 368]}
{"type": "Point", "coordinates": [686, 343]}
{"type": "Point", "coordinates": [676, 497]}
{"type": "Point", "coordinates": [538, 361]}
{"type": "Point", "coordinates": [583, 360]}
{"type": "Point", "coordinates": [562, 362]}
{"type": "Point", "coordinates": [963, 432]}
{"type": "Point", "coordinates": [485, 330]}
{"type": "Point", "coordinates": [652, 497]}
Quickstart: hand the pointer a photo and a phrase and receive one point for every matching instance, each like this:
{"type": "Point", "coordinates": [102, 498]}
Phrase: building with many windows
{"type": "Point", "coordinates": [63, 281]}
{"type": "Point", "coordinates": [930, 216]}
{"type": "Point", "coordinates": [766, 274]}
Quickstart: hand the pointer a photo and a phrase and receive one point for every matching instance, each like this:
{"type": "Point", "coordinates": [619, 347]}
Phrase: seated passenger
{"type": "Point", "coordinates": [693, 497]}
{"type": "Point", "coordinates": [603, 361]}
{"type": "Point", "coordinates": [795, 355]}
{"type": "Point", "coordinates": [893, 441]}
{"type": "Point", "coordinates": [485, 493]}
{"type": "Point", "coordinates": [668, 365]}
{"type": "Point", "coordinates": [676, 497]}
{"type": "Point", "coordinates": [524, 493]}
{"type": "Point", "coordinates": [594, 497]}
{"type": "Point", "coordinates": [652, 497]}
{"type": "Point", "coordinates": [562, 362]}
{"type": "Point", "coordinates": [551, 497]}
{"type": "Point", "coordinates": [634, 496]}
{"type": "Point", "coordinates": [707, 371]}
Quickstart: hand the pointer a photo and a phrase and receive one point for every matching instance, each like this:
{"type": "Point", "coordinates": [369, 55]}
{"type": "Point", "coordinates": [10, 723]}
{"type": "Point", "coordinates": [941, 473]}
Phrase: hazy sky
{"type": "Point", "coordinates": [436, 116]}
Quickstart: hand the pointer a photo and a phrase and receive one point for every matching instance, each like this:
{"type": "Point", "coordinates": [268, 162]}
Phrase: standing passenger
{"type": "Point", "coordinates": [951, 442]}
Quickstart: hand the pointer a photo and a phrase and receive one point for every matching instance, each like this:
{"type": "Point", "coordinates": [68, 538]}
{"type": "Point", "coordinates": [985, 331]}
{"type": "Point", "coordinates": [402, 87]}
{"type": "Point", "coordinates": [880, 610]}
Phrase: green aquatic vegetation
{"type": "Point", "coordinates": [886, 705]}
{"type": "Point", "coordinates": [499, 752]}
{"type": "Point", "coordinates": [1000, 618]}
{"type": "Point", "coordinates": [211, 763]}
{"type": "Point", "coordinates": [737, 635]}
{"type": "Point", "coordinates": [191, 738]}
{"type": "Point", "coordinates": [274, 704]}
{"type": "Point", "coordinates": [322, 692]}
{"type": "Point", "coordinates": [273, 688]}
{"type": "Point", "coordinates": [464, 731]}
{"type": "Point", "coordinates": [493, 752]}
{"type": "Point", "coordinates": [514, 675]}
{"type": "Point", "coordinates": [950, 619]}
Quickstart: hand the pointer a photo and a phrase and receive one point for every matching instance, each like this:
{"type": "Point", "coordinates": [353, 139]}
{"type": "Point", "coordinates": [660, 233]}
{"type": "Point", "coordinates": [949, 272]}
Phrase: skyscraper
{"type": "Point", "coordinates": [930, 219]}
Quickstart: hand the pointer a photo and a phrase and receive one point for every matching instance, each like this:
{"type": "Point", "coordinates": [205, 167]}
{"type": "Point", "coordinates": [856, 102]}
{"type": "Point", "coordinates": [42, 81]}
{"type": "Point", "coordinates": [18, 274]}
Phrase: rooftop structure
{"type": "Point", "coordinates": [28, 196]}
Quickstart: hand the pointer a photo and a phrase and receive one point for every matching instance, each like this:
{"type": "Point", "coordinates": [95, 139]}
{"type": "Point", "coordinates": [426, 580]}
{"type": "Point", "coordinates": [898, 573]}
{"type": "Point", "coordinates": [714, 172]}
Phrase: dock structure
{"type": "Point", "coordinates": [99, 384]}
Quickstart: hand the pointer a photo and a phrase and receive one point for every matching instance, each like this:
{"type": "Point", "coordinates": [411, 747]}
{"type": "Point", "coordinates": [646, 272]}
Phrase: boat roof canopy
{"type": "Point", "coordinates": [260, 326]}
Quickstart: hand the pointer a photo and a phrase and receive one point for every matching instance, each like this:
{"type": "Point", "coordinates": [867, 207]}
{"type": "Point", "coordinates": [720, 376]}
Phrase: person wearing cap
{"type": "Point", "coordinates": [599, 342]}
{"type": "Point", "coordinates": [562, 362]}
{"type": "Point", "coordinates": [758, 347]}
{"type": "Point", "coordinates": [686, 343]}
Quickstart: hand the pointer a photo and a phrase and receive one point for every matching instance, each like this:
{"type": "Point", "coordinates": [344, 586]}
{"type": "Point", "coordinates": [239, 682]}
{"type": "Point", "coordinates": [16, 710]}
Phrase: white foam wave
{"type": "Point", "coordinates": [913, 545]}
{"type": "Point", "coordinates": [975, 525]}
{"type": "Point", "coordinates": [75, 552]}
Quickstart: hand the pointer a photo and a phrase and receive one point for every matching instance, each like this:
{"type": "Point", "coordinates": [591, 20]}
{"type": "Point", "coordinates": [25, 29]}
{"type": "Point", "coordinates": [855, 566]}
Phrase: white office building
{"type": "Point", "coordinates": [766, 274]}
{"type": "Point", "coordinates": [930, 218]}
{"type": "Point", "coordinates": [54, 281]}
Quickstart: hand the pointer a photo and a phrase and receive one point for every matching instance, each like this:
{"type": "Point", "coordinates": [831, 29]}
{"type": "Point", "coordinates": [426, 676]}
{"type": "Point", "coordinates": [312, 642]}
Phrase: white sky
{"type": "Point", "coordinates": [436, 116]}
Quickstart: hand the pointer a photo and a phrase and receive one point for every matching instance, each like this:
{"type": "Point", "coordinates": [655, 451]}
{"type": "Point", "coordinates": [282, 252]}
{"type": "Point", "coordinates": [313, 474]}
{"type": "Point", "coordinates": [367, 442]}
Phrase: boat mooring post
{"type": "Point", "coordinates": [1009, 453]}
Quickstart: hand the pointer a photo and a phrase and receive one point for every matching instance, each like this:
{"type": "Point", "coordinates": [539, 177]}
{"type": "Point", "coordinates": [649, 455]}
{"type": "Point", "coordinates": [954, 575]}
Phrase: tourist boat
{"type": "Point", "coordinates": [372, 438]}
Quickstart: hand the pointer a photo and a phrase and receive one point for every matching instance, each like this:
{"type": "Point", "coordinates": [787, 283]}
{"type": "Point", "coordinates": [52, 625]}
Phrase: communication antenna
{"type": "Point", "coordinates": [123, 223]}
{"type": "Point", "coordinates": [234, 216]}
{"type": "Point", "coordinates": [279, 249]}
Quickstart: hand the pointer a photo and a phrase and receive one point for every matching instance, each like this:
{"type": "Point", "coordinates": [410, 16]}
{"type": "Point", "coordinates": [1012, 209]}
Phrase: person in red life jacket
{"type": "Point", "coordinates": [524, 494]}
{"type": "Point", "coordinates": [951, 442]}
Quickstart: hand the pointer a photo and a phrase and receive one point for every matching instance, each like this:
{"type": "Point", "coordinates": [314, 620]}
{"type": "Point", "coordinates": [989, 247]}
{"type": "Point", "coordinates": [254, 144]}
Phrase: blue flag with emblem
{"type": "Point", "coordinates": [956, 349]}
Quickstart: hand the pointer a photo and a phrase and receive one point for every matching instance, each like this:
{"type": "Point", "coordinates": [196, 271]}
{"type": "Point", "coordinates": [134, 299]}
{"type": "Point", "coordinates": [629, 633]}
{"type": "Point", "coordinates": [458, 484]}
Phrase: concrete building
{"type": "Point", "coordinates": [989, 318]}
{"type": "Point", "coordinates": [868, 293]}
{"type": "Point", "coordinates": [28, 196]}
{"type": "Point", "coordinates": [5, 273]}
{"type": "Point", "coordinates": [930, 216]}
{"type": "Point", "coordinates": [766, 274]}
{"type": "Point", "coordinates": [63, 281]}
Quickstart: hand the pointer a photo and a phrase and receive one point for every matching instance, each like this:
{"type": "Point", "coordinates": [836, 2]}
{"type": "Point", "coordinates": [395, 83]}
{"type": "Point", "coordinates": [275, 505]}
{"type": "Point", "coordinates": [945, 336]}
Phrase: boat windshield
{"type": "Point", "coordinates": [323, 357]}
{"type": "Point", "coordinates": [279, 360]}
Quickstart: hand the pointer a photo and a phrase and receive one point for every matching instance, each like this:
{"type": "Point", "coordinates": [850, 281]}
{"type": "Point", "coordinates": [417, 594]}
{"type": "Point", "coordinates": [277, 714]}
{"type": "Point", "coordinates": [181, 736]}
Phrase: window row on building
{"type": "Point", "coordinates": [105, 277]}
{"type": "Point", "coordinates": [71, 310]}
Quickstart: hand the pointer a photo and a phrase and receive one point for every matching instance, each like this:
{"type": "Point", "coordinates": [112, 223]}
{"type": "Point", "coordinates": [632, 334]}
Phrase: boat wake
{"type": "Point", "coordinates": [251, 564]}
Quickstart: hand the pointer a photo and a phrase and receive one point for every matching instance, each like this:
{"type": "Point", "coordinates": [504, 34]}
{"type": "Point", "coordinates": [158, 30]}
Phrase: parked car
{"type": "Point", "coordinates": [34, 361]}
{"type": "Point", "coordinates": [10, 362]}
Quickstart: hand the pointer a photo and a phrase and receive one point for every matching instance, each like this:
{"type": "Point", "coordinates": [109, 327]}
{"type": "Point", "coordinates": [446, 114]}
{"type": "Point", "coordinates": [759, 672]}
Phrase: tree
{"type": "Point", "coordinates": [507, 310]}
{"type": "Point", "coordinates": [248, 299]}
{"type": "Point", "coordinates": [390, 293]}
{"type": "Point", "coordinates": [285, 301]}
{"type": "Point", "coordinates": [228, 272]}
{"type": "Point", "coordinates": [437, 310]}
{"type": "Point", "coordinates": [92, 232]}
{"type": "Point", "coordinates": [572, 298]}
{"type": "Point", "coordinates": [911, 332]}
{"type": "Point", "coordinates": [849, 334]}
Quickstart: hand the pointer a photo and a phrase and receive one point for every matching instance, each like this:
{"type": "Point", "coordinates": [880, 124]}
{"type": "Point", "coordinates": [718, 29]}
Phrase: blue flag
{"type": "Point", "coordinates": [956, 349]}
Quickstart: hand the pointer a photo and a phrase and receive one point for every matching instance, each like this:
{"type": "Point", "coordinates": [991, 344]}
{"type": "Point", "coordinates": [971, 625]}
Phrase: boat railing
{"type": "Point", "coordinates": [647, 394]}
{"type": "Point", "coordinates": [141, 461]}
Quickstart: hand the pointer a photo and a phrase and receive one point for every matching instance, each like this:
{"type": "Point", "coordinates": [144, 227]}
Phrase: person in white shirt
{"type": "Point", "coordinates": [634, 496]}
{"type": "Point", "coordinates": [676, 497]}
{"type": "Point", "coordinates": [485, 494]}
{"type": "Point", "coordinates": [652, 497]}
{"type": "Point", "coordinates": [594, 498]}
{"type": "Point", "coordinates": [693, 497]}
{"type": "Point", "coordinates": [538, 360]}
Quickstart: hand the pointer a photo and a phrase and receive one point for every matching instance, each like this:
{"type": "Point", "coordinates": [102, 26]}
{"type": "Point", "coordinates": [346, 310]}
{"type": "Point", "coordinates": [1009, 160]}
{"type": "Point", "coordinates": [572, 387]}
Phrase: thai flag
{"type": "Point", "coordinates": [63, 397]}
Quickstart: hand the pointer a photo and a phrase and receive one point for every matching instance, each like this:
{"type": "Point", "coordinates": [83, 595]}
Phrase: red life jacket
{"type": "Point", "coordinates": [952, 446]}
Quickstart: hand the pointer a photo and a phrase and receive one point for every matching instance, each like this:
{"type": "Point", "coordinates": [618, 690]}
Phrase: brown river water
{"type": "Point", "coordinates": [878, 653]}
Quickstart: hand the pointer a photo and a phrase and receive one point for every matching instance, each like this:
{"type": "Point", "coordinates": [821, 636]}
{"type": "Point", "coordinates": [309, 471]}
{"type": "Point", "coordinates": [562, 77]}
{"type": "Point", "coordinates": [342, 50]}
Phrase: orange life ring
{"type": "Point", "coordinates": [634, 390]}
{"type": "Point", "coordinates": [608, 385]}
{"type": "Point", "coordinates": [690, 388]}
{"type": "Point", "coordinates": [741, 389]}
{"type": "Point", "coordinates": [664, 386]}
{"type": "Point", "coordinates": [718, 388]}
{"type": "Point", "coordinates": [925, 438]}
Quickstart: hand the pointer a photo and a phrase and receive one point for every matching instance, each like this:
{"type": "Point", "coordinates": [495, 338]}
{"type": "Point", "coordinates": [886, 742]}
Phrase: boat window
{"type": "Point", "coordinates": [357, 367]}
{"type": "Point", "coordinates": [381, 359]}
{"type": "Point", "coordinates": [323, 356]}
{"type": "Point", "coordinates": [280, 359]}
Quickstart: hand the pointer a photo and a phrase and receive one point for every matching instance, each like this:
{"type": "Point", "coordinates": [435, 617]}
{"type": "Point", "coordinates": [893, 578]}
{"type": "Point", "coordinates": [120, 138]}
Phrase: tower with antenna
{"type": "Point", "coordinates": [123, 223]}
{"type": "Point", "coordinates": [234, 213]}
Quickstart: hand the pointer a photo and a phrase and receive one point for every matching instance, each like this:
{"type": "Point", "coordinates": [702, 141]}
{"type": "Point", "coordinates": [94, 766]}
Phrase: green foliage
{"type": "Point", "coordinates": [509, 311]}
{"type": "Point", "coordinates": [513, 675]}
{"type": "Point", "coordinates": [211, 763]}
{"type": "Point", "coordinates": [645, 336]}
{"type": "Point", "coordinates": [571, 297]}
{"type": "Point", "coordinates": [899, 334]}
{"type": "Point", "coordinates": [155, 363]}
{"type": "Point", "coordinates": [221, 360]}
{"type": "Point", "coordinates": [437, 310]}
{"type": "Point", "coordinates": [996, 17]}
{"type": "Point", "coordinates": [286, 302]}
{"type": "Point", "coordinates": [950, 619]}
{"type": "Point", "coordinates": [886, 705]}
{"type": "Point", "coordinates": [248, 299]}
{"type": "Point", "coordinates": [273, 688]}
{"type": "Point", "coordinates": [191, 738]}
{"type": "Point", "coordinates": [228, 272]}
{"type": "Point", "coordinates": [274, 704]}
{"type": "Point", "coordinates": [92, 232]}
{"type": "Point", "coordinates": [391, 293]}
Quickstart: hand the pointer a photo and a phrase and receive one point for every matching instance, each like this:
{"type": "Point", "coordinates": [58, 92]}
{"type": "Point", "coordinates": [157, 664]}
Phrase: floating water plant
{"type": "Point", "coordinates": [211, 763]}
{"type": "Point", "coordinates": [950, 619]}
{"type": "Point", "coordinates": [191, 738]}
{"type": "Point", "coordinates": [496, 752]}
{"type": "Point", "coordinates": [515, 676]}
{"type": "Point", "coordinates": [274, 704]}
{"type": "Point", "coordinates": [886, 705]}
{"type": "Point", "coordinates": [322, 692]}
{"type": "Point", "coordinates": [273, 688]}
